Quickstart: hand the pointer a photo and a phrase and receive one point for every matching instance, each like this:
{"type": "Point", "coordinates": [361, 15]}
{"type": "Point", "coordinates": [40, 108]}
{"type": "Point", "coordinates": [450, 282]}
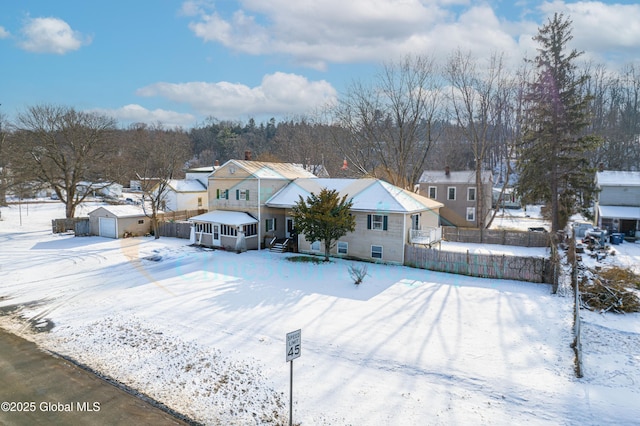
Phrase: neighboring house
{"type": "Point", "coordinates": [458, 193]}
{"type": "Point", "coordinates": [184, 194]}
{"type": "Point", "coordinates": [507, 199]}
{"type": "Point", "coordinates": [618, 204]}
{"type": "Point", "coordinates": [110, 190]}
{"type": "Point", "coordinates": [200, 173]}
{"type": "Point", "coordinates": [387, 218]}
{"type": "Point", "coordinates": [119, 221]}
{"type": "Point", "coordinates": [243, 186]}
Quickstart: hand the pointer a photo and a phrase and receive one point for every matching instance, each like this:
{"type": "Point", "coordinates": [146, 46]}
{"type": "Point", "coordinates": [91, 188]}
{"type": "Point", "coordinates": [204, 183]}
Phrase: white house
{"type": "Point", "coordinates": [618, 204]}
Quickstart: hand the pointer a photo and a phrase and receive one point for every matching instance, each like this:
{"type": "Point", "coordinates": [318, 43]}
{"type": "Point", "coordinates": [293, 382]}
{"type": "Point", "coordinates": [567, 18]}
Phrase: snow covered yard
{"type": "Point", "coordinates": [204, 333]}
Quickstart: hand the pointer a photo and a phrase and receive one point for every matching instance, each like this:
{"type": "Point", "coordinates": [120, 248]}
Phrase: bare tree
{"type": "Point", "coordinates": [391, 122]}
{"type": "Point", "coordinates": [62, 148]}
{"type": "Point", "coordinates": [159, 156]}
{"type": "Point", "coordinates": [479, 98]}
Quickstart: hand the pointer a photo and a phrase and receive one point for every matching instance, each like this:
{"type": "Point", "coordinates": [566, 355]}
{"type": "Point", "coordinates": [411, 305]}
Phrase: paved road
{"type": "Point", "coordinates": [52, 391]}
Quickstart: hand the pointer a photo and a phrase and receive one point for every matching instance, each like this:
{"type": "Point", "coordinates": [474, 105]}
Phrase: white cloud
{"type": "Point", "coordinates": [4, 33]}
{"type": "Point", "coordinates": [314, 33]}
{"type": "Point", "coordinates": [50, 35]}
{"type": "Point", "coordinates": [599, 28]}
{"type": "Point", "coordinates": [137, 114]}
{"type": "Point", "coordinates": [278, 94]}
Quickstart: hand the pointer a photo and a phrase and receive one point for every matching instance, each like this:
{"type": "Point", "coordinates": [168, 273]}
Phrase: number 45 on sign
{"type": "Point", "coordinates": [294, 345]}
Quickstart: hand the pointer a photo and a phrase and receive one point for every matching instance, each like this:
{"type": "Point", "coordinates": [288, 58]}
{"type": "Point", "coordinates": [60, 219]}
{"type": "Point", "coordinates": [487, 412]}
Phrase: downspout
{"type": "Point", "coordinates": [259, 218]}
{"type": "Point", "coordinates": [404, 235]}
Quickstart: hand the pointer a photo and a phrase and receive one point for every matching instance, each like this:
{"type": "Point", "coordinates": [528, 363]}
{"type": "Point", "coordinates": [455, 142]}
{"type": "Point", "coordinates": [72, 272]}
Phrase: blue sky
{"type": "Point", "coordinates": [179, 62]}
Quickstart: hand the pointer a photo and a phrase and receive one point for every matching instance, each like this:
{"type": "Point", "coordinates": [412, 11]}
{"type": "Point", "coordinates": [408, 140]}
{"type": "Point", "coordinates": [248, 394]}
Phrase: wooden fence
{"type": "Point", "coordinates": [496, 236]}
{"type": "Point", "coordinates": [175, 229]}
{"type": "Point", "coordinates": [79, 225]}
{"type": "Point", "coordinates": [532, 269]}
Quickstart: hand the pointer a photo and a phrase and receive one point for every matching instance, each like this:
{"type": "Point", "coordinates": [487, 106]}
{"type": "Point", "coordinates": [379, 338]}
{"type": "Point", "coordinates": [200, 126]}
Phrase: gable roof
{"type": "Point", "coordinates": [464, 176]}
{"type": "Point", "coordinates": [121, 211]}
{"type": "Point", "coordinates": [617, 178]}
{"type": "Point", "coordinates": [186, 185]}
{"type": "Point", "coordinates": [368, 194]}
{"type": "Point", "coordinates": [267, 170]}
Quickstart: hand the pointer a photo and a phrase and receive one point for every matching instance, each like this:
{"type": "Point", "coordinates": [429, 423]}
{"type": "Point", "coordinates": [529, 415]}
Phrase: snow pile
{"type": "Point", "coordinates": [199, 382]}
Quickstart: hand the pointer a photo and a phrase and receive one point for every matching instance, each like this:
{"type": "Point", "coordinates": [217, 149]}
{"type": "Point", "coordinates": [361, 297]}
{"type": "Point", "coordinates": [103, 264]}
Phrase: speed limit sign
{"type": "Point", "coordinates": [294, 345]}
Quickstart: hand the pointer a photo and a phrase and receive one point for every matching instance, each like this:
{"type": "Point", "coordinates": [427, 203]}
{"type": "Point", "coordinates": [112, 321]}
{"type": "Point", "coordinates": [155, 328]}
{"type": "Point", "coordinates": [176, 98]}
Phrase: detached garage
{"type": "Point", "coordinates": [118, 221]}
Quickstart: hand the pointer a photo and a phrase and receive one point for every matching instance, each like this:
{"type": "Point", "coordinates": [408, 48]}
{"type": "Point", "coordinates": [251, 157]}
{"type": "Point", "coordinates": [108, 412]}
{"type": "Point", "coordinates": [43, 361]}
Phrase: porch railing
{"type": "Point", "coordinates": [427, 236]}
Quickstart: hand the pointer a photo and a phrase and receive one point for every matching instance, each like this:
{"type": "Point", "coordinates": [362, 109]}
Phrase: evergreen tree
{"type": "Point", "coordinates": [552, 162]}
{"type": "Point", "coordinates": [324, 217]}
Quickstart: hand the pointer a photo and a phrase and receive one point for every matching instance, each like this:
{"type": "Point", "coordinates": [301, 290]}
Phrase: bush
{"type": "Point", "coordinates": [358, 273]}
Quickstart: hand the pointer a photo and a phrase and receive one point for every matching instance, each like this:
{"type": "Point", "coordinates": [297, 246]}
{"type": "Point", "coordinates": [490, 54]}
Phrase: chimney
{"type": "Point", "coordinates": [447, 170]}
{"type": "Point", "coordinates": [247, 155]}
{"type": "Point", "coordinates": [216, 163]}
{"type": "Point", "coordinates": [601, 167]}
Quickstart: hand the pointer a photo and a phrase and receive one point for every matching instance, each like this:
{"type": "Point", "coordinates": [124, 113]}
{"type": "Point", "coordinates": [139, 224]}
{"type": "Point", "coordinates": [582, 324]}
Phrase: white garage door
{"type": "Point", "coordinates": [107, 227]}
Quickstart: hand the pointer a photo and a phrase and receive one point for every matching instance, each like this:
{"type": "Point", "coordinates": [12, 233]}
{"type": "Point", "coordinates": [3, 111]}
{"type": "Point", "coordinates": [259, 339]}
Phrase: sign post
{"type": "Point", "coordinates": [294, 348]}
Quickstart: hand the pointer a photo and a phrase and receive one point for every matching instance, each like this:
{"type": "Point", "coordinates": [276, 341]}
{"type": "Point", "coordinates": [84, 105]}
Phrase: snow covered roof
{"type": "Point", "coordinates": [617, 178]}
{"type": "Point", "coordinates": [619, 212]}
{"type": "Point", "coordinates": [465, 176]}
{"type": "Point", "coordinates": [187, 185]}
{"type": "Point", "coordinates": [122, 211]}
{"type": "Point", "coordinates": [225, 217]}
{"type": "Point", "coordinates": [267, 170]}
{"type": "Point", "coordinates": [367, 194]}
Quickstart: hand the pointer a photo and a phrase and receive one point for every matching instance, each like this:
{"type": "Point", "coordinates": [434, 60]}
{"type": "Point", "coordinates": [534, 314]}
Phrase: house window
{"type": "Point", "coordinates": [471, 214]}
{"type": "Point", "coordinates": [471, 194]}
{"type": "Point", "coordinates": [377, 221]}
{"type": "Point", "coordinates": [315, 246]}
{"type": "Point", "coordinates": [222, 194]}
{"type": "Point", "coordinates": [228, 230]}
{"type": "Point", "coordinates": [451, 193]}
{"type": "Point", "coordinates": [270, 225]}
{"type": "Point", "coordinates": [433, 192]}
{"type": "Point", "coordinates": [141, 221]}
{"type": "Point", "coordinates": [242, 194]}
{"type": "Point", "coordinates": [199, 201]}
{"type": "Point", "coordinates": [251, 229]}
{"type": "Point", "coordinates": [415, 221]}
{"type": "Point", "coordinates": [343, 247]}
{"type": "Point", "coordinates": [204, 228]}
{"type": "Point", "coordinates": [376, 252]}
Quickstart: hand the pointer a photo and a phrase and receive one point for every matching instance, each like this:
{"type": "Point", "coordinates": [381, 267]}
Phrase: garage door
{"type": "Point", "coordinates": [107, 227]}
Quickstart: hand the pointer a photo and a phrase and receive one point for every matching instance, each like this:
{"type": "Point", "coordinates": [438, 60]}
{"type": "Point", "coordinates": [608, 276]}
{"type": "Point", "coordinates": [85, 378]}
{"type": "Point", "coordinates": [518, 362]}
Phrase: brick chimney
{"type": "Point", "coordinates": [216, 163]}
{"type": "Point", "coordinates": [447, 170]}
{"type": "Point", "coordinates": [601, 167]}
{"type": "Point", "coordinates": [247, 155]}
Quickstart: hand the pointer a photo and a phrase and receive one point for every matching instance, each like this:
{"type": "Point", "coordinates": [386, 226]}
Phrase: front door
{"type": "Point", "coordinates": [215, 234]}
{"type": "Point", "coordinates": [289, 230]}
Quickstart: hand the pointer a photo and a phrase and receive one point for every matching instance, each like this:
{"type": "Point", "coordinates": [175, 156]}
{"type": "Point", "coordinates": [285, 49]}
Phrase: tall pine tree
{"type": "Point", "coordinates": [552, 162]}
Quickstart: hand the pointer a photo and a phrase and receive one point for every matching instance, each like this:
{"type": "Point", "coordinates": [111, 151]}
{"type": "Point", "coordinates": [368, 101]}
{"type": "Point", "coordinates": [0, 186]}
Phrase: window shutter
{"type": "Point", "coordinates": [218, 193]}
{"type": "Point", "coordinates": [226, 194]}
{"type": "Point", "coordinates": [247, 196]}
{"type": "Point", "coordinates": [368, 221]}
{"type": "Point", "coordinates": [384, 222]}
{"type": "Point", "coordinates": [237, 194]}
{"type": "Point", "coordinates": [274, 223]}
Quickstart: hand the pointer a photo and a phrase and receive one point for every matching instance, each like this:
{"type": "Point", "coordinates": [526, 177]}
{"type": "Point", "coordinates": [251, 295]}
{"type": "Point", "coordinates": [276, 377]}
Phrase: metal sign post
{"type": "Point", "coordinates": [294, 348]}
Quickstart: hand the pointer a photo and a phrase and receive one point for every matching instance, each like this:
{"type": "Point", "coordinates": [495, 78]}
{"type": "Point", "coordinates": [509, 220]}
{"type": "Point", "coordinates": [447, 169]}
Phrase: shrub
{"type": "Point", "coordinates": [358, 273]}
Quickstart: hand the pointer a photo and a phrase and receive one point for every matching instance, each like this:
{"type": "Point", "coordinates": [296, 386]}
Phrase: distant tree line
{"type": "Point", "coordinates": [544, 127]}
